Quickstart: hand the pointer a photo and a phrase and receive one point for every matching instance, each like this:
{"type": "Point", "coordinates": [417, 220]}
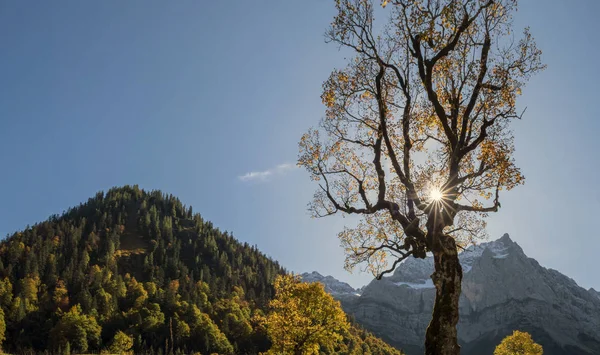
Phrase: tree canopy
{"type": "Point", "coordinates": [417, 134]}
{"type": "Point", "coordinates": [303, 318]}
{"type": "Point", "coordinates": [132, 271]}
{"type": "Point", "coordinates": [125, 270]}
{"type": "Point", "coordinates": [121, 344]}
{"type": "Point", "coordinates": [519, 343]}
{"type": "Point", "coordinates": [421, 113]}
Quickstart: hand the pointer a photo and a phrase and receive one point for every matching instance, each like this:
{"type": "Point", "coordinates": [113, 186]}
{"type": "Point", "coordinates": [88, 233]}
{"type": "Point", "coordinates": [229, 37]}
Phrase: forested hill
{"type": "Point", "coordinates": [138, 270]}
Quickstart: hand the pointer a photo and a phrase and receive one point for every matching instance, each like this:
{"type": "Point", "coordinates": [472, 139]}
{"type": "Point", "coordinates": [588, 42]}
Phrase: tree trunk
{"type": "Point", "coordinates": [441, 337]}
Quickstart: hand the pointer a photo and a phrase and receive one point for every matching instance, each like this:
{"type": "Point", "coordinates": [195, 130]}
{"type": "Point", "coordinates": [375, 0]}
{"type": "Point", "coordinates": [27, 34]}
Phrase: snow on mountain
{"type": "Point", "coordinates": [416, 273]}
{"type": "Point", "coordinates": [502, 290]}
{"type": "Point", "coordinates": [332, 285]}
{"type": "Point", "coordinates": [499, 248]}
{"type": "Point", "coordinates": [426, 284]}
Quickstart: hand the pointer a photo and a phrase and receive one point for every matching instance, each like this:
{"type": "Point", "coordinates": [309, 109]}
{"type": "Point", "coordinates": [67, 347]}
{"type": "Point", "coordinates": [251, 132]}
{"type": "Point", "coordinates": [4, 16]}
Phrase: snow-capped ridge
{"type": "Point", "coordinates": [426, 284]}
{"type": "Point", "coordinates": [499, 248]}
{"type": "Point", "coordinates": [502, 289]}
{"type": "Point", "coordinates": [332, 285]}
{"type": "Point", "coordinates": [417, 271]}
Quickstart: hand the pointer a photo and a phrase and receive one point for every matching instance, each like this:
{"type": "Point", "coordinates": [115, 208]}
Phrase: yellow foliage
{"type": "Point", "coordinates": [121, 344]}
{"type": "Point", "coordinates": [303, 318]}
{"type": "Point", "coordinates": [61, 295]}
{"type": "Point", "coordinates": [2, 328]}
{"type": "Point", "coordinates": [426, 102]}
{"type": "Point", "coordinates": [519, 343]}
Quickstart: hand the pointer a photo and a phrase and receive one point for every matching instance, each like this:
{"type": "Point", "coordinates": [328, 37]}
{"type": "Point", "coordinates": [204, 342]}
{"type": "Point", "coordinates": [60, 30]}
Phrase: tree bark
{"type": "Point", "coordinates": [441, 337]}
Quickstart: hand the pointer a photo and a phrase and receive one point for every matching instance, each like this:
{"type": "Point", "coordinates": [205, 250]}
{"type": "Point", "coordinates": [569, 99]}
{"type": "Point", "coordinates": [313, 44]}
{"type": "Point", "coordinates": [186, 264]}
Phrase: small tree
{"type": "Point", "coordinates": [416, 136]}
{"type": "Point", "coordinates": [121, 344]}
{"type": "Point", "coordinates": [66, 350]}
{"type": "Point", "coordinates": [2, 329]}
{"type": "Point", "coordinates": [303, 318]}
{"type": "Point", "coordinates": [519, 343]}
{"type": "Point", "coordinates": [75, 329]}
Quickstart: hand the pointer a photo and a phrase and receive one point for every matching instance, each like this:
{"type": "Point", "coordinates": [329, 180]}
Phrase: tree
{"type": "Point", "coordinates": [146, 318]}
{"type": "Point", "coordinates": [202, 327]}
{"type": "Point", "coordinates": [519, 343]}
{"type": "Point", "coordinates": [66, 350]}
{"type": "Point", "coordinates": [77, 330]}
{"type": "Point", "coordinates": [6, 294]}
{"type": "Point", "coordinates": [416, 138]}
{"type": "Point", "coordinates": [303, 318]}
{"type": "Point", "coordinates": [61, 296]}
{"type": "Point", "coordinates": [2, 329]}
{"type": "Point", "coordinates": [182, 331]}
{"type": "Point", "coordinates": [185, 299]}
{"type": "Point", "coordinates": [235, 319]}
{"type": "Point", "coordinates": [29, 290]}
{"type": "Point", "coordinates": [121, 344]}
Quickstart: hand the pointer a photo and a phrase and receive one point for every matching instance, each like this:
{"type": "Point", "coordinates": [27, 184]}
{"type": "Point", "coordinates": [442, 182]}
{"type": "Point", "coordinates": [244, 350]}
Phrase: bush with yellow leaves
{"type": "Point", "coordinates": [519, 343]}
{"type": "Point", "coordinates": [303, 318]}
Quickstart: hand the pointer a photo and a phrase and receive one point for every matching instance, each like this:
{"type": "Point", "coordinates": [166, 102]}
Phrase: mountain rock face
{"type": "Point", "coordinates": [332, 285]}
{"type": "Point", "coordinates": [502, 290]}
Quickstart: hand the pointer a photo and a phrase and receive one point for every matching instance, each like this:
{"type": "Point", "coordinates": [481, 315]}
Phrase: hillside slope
{"type": "Point", "coordinates": [131, 268]}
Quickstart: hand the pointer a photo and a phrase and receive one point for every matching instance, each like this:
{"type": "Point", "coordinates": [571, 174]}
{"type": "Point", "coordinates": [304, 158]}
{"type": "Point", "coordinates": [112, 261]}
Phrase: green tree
{"type": "Point", "coordinates": [85, 259]}
{"type": "Point", "coordinates": [136, 294]}
{"type": "Point", "coordinates": [17, 309]}
{"type": "Point", "coordinates": [105, 302]}
{"type": "Point", "coordinates": [121, 344]}
{"type": "Point", "coordinates": [519, 343]}
{"type": "Point", "coordinates": [182, 331]}
{"type": "Point", "coordinates": [234, 316]}
{"type": "Point", "coordinates": [78, 330]}
{"type": "Point", "coordinates": [203, 327]}
{"type": "Point", "coordinates": [6, 293]}
{"type": "Point", "coordinates": [29, 292]}
{"type": "Point", "coordinates": [66, 350]}
{"type": "Point", "coordinates": [186, 286]}
{"type": "Point", "coordinates": [2, 329]}
{"type": "Point", "coordinates": [148, 318]}
{"type": "Point", "coordinates": [416, 136]}
{"type": "Point", "coordinates": [303, 318]}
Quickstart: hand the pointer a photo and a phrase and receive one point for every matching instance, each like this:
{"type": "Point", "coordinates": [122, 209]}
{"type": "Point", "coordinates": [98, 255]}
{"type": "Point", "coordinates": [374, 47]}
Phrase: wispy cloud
{"type": "Point", "coordinates": [266, 175]}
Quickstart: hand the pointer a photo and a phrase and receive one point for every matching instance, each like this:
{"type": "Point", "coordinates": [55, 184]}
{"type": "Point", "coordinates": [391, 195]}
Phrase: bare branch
{"type": "Point", "coordinates": [476, 90]}
{"type": "Point", "coordinates": [493, 208]}
{"type": "Point", "coordinates": [396, 262]}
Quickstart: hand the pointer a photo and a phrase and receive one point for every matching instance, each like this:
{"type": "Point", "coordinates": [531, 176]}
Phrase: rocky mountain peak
{"type": "Point", "coordinates": [505, 239]}
{"type": "Point", "coordinates": [416, 272]}
{"type": "Point", "coordinates": [502, 290]}
{"type": "Point", "coordinates": [332, 285]}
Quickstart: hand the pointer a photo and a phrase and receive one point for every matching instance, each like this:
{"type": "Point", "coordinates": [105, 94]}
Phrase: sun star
{"type": "Point", "coordinates": [436, 195]}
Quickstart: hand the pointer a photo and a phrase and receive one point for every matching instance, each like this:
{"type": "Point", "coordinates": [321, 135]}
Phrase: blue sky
{"type": "Point", "coordinates": [191, 96]}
